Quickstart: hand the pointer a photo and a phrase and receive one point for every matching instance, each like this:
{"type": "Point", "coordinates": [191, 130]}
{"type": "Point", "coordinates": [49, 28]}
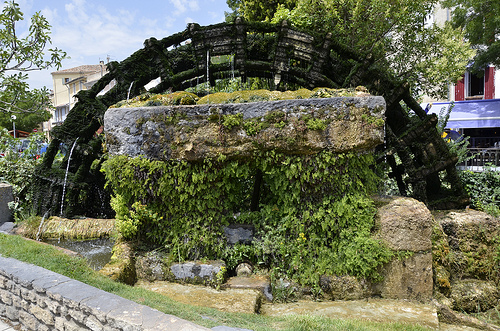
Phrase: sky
{"type": "Point", "coordinates": [90, 31]}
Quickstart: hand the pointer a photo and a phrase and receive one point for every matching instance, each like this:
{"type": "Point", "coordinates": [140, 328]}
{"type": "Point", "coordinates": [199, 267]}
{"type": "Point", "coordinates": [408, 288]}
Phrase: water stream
{"type": "Point", "coordinates": [66, 176]}
{"type": "Point", "coordinates": [97, 252]}
{"type": "Point", "coordinates": [40, 226]}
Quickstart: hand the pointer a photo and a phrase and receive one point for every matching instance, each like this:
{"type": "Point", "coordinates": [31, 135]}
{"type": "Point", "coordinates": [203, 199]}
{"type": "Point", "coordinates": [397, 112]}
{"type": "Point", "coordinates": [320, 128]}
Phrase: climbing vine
{"type": "Point", "coordinates": [314, 217]}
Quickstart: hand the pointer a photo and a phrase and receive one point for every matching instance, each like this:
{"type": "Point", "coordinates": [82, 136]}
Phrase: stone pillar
{"type": "Point", "coordinates": [6, 196]}
{"type": "Point", "coordinates": [405, 225]}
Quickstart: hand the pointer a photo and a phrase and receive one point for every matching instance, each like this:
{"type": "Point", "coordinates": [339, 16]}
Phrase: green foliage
{"type": "Point", "coordinates": [316, 124]}
{"type": "Point", "coordinates": [20, 55]}
{"type": "Point", "coordinates": [483, 189]}
{"type": "Point", "coordinates": [321, 225]}
{"type": "Point", "coordinates": [481, 21]}
{"type": "Point", "coordinates": [231, 121]}
{"type": "Point", "coordinates": [392, 34]}
{"type": "Point", "coordinates": [17, 168]}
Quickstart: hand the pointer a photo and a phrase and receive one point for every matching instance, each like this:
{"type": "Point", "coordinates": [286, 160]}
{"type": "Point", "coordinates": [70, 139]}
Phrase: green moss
{"type": "Point", "coordinates": [231, 121]}
{"type": "Point", "coordinates": [316, 124]}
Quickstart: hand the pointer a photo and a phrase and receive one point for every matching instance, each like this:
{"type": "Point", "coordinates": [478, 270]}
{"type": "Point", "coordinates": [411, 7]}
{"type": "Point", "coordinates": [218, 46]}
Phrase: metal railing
{"type": "Point", "coordinates": [481, 158]}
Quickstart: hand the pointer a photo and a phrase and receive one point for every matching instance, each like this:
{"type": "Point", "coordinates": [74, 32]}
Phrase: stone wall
{"type": "Point", "coordinates": [43, 300]}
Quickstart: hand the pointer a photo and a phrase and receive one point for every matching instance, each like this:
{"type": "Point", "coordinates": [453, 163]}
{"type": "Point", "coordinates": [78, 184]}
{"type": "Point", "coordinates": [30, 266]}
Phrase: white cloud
{"type": "Point", "coordinates": [182, 6]}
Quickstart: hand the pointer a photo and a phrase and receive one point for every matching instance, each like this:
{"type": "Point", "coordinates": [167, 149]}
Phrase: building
{"type": "Point", "coordinates": [66, 84]}
{"type": "Point", "coordinates": [475, 99]}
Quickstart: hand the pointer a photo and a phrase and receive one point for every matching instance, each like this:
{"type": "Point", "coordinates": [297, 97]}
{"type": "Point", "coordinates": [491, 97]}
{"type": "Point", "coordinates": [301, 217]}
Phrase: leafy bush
{"type": "Point", "coordinates": [484, 189]}
{"type": "Point", "coordinates": [16, 168]}
{"type": "Point", "coordinates": [315, 215]}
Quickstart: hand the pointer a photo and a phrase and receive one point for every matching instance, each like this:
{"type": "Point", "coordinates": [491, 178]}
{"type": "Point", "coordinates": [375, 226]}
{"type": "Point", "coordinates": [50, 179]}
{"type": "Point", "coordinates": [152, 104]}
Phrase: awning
{"type": "Point", "coordinates": [470, 114]}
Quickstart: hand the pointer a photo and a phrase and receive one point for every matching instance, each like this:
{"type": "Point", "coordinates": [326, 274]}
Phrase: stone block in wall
{"type": "Point", "coordinates": [43, 315]}
{"type": "Point", "coordinates": [28, 320]}
{"type": "Point", "coordinates": [407, 278]}
{"type": "Point", "coordinates": [6, 196]}
{"type": "Point", "coordinates": [405, 224]}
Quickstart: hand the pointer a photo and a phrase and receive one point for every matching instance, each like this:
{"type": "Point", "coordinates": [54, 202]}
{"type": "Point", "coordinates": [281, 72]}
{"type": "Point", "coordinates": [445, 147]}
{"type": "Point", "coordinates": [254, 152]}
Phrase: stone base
{"type": "Point", "coordinates": [229, 300]}
{"type": "Point", "coordinates": [259, 283]}
{"type": "Point", "coordinates": [409, 278]}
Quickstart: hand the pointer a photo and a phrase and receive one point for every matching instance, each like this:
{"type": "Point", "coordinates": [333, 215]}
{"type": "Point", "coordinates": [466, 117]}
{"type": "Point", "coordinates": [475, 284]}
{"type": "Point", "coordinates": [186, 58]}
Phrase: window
{"type": "Point", "coordinates": [474, 84]}
{"type": "Point", "coordinates": [65, 80]}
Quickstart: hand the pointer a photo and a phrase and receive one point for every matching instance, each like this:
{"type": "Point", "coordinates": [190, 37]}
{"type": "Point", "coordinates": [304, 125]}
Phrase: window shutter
{"type": "Point", "coordinates": [489, 83]}
{"type": "Point", "coordinates": [459, 90]}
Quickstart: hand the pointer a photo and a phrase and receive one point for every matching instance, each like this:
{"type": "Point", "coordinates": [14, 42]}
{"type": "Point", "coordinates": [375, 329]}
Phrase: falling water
{"type": "Point", "coordinates": [40, 226]}
{"type": "Point", "coordinates": [208, 76]}
{"type": "Point", "coordinates": [129, 88]}
{"type": "Point", "coordinates": [66, 177]}
{"type": "Point", "coordinates": [232, 68]}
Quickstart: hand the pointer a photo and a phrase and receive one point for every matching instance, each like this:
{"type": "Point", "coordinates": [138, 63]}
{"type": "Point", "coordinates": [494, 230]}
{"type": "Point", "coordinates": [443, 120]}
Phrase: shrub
{"type": "Point", "coordinates": [315, 216]}
{"type": "Point", "coordinates": [483, 189]}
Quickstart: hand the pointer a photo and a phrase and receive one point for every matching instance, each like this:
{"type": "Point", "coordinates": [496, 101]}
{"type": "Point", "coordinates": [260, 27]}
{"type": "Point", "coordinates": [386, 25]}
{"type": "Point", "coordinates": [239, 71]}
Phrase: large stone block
{"type": "Point", "coordinates": [6, 196]}
{"type": "Point", "coordinates": [405, 224]}
{"type": "Point", "coordinates": [303, 126]}
{"type": "Point", "coordinates": [407, 278]}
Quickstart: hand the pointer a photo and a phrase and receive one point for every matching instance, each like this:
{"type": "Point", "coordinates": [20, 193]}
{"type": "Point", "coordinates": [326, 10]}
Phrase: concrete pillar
{"type": "Point", "coordinates": [6, 196]}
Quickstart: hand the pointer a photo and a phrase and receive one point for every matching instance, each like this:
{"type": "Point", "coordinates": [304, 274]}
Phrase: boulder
{"type": "Point", "coordinates": [344, 287]}
{"type": "Point", "coordinates": [150, 267]}
{"type": "Point", "coordinates": [405, 224]}
{"type": "Point", "coordinates": [6, 196]}
{"type": "Point", "coordinates": [474, 295]}
{"type": "Point", "coordinates": [472, 238]}
{"type": "Point", "coordinates": [196, 272]}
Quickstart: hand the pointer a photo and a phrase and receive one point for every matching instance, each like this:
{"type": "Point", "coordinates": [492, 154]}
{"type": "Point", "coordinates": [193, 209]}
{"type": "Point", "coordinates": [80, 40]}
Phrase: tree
{"type": "Point", "coordinates": [393, 33]}
{"type": "Point", "coordinates": [18, 56]}
{"type": "Point", "coordinates": [480, 20]}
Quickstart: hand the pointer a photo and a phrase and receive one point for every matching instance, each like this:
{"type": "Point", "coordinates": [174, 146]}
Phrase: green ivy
{"type": "Point", "coordinates": [315, 215]}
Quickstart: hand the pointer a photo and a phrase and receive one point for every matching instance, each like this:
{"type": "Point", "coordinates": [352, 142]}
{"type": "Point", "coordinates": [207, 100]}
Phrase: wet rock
{"type": "Point", "coordinates": [121, 267]}
{"type": "Point", "coordinates": [259, 283]}
{"type": "Point", "coordinates": [6, 196]}
{"type": "Point", "coordinates": [345, 287]}
{"type": "Point", "coordinates": [407, 278]}
{"type": "Point", "coordinates": [473, 295]}
{"type": "Point", "coordinates": [449, 317]}
{"type": "Point", "coordinates": [244, 270]}
{"type": "Point", "coordinates": [229, 300]}
{"type": "Point", "coordinates": [196, 272]}
{"type": "Point", "coordinates": [150, 267]}
{"type": "Point", "coordinates": [239, 233]}
{"type": "Point", "coordinates": [405, 224]}
{"type": "Point", "coordinates": [472, 239]}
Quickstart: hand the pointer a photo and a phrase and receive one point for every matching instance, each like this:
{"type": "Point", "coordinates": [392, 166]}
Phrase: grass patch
{"type": "Point", "coordinates": [52, 259]}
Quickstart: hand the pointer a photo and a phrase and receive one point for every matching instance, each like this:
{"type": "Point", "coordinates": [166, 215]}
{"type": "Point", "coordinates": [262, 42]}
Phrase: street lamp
{"type": "Point", "coordinates": [14, 124]}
